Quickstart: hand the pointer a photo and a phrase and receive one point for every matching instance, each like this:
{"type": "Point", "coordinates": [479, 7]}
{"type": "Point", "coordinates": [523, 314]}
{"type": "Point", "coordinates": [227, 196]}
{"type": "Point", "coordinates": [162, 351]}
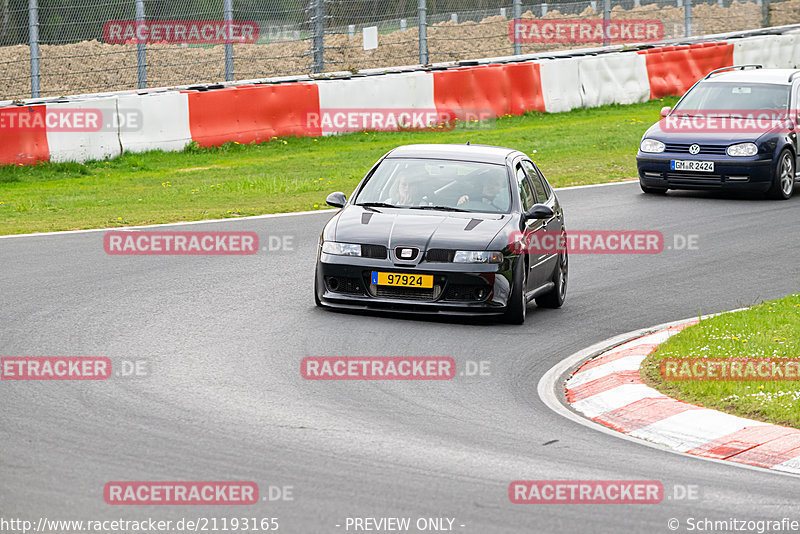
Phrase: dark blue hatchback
{"type": "Point", "coordinates": [736, 129]}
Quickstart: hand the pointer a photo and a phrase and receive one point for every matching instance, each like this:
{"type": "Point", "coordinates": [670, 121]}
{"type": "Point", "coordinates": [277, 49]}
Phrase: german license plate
{"type": "Point", "coordinates": [690, 165]}
{"type": "Point", "coordinates": [402, 279]}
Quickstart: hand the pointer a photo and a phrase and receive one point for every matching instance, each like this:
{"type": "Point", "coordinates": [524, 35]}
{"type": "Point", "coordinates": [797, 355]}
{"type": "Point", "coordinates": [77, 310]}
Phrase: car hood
{"type": "Point", "coordinates": [657, 132]}
{"type": "Point", "coordinates": [418, 228]}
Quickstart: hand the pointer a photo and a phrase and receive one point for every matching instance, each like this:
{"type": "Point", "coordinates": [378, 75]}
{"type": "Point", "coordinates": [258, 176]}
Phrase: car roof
{"type": "Point", "coordinates": [476, 153]}
{"type": "Point", "coordinates": [776, 76]}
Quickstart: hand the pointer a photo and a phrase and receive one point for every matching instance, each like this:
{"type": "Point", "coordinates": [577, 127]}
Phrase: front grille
{"type": "Point", "coordinates": [407, 293]}
{"type": "Point", "coordinates": [440, 255]}
{"type": "Point", "coordinates": [375, 252]}
{"type": "Point", "coordinates": [693, 176]}
{"type": "Point", "coordinates": [473, 292]}
{"type": "Point", "coordinates": [683, 148]}
{"type": "Point", "coordinates": [344, 284]}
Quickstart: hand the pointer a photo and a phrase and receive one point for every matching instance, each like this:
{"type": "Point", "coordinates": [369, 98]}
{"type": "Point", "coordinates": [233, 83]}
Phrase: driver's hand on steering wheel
{"type": "Point", "coordinates": [463, 199]}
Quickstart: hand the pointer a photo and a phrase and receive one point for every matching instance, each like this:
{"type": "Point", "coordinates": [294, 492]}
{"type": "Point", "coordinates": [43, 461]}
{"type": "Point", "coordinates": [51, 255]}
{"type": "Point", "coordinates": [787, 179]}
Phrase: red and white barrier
{"type": "Point", "coordinates": [771, 51]}
{"type": "Point", "coordinates": [614, 79]}
{"type": "Point", "coordinates": [259, 112]}
{"type": "Point", "coordinates": [164, 121]}
{"type": "Point", "coordinates": [401, 92]}
{"type": "Point", "coordinates": [561, 84]}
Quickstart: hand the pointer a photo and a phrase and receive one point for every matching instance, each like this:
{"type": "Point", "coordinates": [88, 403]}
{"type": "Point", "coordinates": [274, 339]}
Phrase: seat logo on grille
{"type": "Point", "coordinates": [694, 149]}
{"type": "Point", "coordinates": [406, 253]}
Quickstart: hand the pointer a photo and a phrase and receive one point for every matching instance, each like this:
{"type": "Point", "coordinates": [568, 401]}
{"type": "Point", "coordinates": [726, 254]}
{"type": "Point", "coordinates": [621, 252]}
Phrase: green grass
{"type": "Point", "coordinates": [583, 146]}
{"type": "Point", "coordinates": [768, 330]}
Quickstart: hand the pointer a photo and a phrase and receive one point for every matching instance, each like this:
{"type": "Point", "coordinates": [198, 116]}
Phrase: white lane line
{"type": "Point", "coordinates": [209, 221]}
{"type": "Point", "coordinates": [250, 217]}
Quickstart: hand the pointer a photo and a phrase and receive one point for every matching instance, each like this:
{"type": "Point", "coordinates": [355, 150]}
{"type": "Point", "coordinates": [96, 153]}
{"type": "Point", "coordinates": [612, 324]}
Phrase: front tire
{"type": "Point", "coordinates": [517, 307]}
{"type": "Point", "coordinates": [555, 297]}
{"type": "Point", "coordinates": [652, 190]}
{"type": "Point", "coordinates": [316, 291]}
{"type": "Point", "coordinates": [783, 179]}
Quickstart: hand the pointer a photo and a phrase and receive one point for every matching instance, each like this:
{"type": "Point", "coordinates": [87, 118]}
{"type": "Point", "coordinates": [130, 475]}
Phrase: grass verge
{"type": "Point", "coordinates": [583, 146]}
{"type": "Point", "coordinates": [768, 330]}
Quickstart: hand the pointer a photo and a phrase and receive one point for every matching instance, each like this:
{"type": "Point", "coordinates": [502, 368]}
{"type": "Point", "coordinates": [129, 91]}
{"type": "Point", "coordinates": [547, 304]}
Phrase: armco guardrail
{"type": "Point", "coordinates": [257, 110]}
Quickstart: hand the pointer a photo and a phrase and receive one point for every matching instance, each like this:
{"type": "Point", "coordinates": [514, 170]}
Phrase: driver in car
{"type": "Point", "coordinates": [490, 197]}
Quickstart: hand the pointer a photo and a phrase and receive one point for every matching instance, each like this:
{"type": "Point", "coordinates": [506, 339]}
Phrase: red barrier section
{"type": "Point", "coordinates": [505, 89]}
{"type": "Point", "coordinates": [672, 70]}
{"type": "Point", "coordinates": [253, 113]}
{"type": "Point", "coordinates": [23, 135]}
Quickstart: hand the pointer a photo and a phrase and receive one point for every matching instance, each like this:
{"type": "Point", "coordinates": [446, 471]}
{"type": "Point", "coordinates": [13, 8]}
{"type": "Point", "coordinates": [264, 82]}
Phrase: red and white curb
{"type": "Point", "coordinates": [607, 389]}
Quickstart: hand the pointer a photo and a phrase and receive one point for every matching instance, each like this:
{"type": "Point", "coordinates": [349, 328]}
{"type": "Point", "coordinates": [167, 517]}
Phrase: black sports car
{"type": "Point", "coordinates": [438, 228]}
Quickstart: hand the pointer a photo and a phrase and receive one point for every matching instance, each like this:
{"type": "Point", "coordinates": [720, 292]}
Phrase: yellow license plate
{"type": "Point", "coordinates": [402, 280]}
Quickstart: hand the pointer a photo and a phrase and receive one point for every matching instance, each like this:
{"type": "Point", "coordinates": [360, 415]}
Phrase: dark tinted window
{"type": "Point", "coordinates": [525, 193]}
{"type": "Point", "coordinates": [540, 189]}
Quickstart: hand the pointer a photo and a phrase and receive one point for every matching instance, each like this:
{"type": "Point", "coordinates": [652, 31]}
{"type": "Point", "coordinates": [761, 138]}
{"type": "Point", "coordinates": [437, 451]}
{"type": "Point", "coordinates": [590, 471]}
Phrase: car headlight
{"type": "Point", "coordinates": [652, 146]}
{"type": "Point", "coordinates": [477, 256]}
{"type": "Point", "coordinates": [341, 249]}
{"type": "Point", "coordinates": [743, 149]}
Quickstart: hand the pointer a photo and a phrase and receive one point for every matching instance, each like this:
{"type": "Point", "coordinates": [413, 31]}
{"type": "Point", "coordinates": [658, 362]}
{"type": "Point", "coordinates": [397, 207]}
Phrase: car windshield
{"type": "Point", "coordinates": [731, 97]}
{"type": "Point", "coordinates": [438, 184]}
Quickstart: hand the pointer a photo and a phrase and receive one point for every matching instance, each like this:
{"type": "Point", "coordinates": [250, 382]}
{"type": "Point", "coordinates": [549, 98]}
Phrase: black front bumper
{"type": "Point", "coordinates": [739, 174]}
{"type": "Point", "coordinates": [462, 289]}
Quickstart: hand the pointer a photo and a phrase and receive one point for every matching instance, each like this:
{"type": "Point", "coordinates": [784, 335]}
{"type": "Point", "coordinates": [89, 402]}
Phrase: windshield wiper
{"type": "Point", "coordinates": [372, 205]}
{"type": "Point", "coordinates": [442, 208]}
{"type": "Point", "coordinates": [376, 205]}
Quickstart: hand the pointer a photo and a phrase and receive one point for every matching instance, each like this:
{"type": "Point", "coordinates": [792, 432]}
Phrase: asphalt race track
{"type": "Point", "coordinates": [223, 337]}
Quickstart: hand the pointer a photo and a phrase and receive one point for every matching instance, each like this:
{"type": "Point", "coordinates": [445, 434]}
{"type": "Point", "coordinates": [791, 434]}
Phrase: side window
{"type": "Point", "coordinates": [539, 187]}
{"type": "Point", "coordinates": [525, 193]}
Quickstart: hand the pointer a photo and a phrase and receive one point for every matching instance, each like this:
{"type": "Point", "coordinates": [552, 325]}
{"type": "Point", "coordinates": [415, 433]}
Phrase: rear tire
{"type": "Point", "coordinates": [783, 178]}
{"type": "Point", "coordinates": [555, 297]}
{"type": "Point", "coordinates": [652, 190]}
{"type": "Point", "coordinates": [517, 307]}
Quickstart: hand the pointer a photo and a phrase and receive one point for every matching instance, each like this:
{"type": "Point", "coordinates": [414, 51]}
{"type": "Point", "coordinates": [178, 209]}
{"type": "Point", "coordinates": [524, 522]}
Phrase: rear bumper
{"type": "Point", "coordinates": [729, 173]}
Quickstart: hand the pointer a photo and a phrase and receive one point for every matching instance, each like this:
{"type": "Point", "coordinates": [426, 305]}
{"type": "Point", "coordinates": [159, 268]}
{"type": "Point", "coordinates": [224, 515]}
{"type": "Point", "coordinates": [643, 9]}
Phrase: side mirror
{"type": "Point", "coordinates": [337, 200]}
{"type": "Point", "coordinates": [538, 211]}
{"type": "Point", "coordinates": [665, 111]}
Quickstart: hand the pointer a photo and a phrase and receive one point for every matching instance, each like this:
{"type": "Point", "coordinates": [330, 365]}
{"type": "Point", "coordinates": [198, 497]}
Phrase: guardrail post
{"type": "Point", "coordinates": [141, 50]}
{"type": "Point", "coordinates": [687, 22]}
{"type": "Point", "coordinates": [606, 19]}
{"type": "Point", "coordinates": [422, 11]}
{"type": "Point", "coordinates": [33, 41]}
{"type": "Point", "coordinates": [227, 15]}
{"type": "Point", "coordinates": [318, 25]}
{"type": "Point", "coordinates": [517, 9]}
